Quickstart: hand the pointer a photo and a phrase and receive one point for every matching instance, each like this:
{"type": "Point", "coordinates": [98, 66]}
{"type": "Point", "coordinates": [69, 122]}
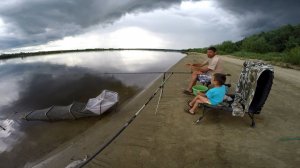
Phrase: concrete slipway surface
{"type": "Point", "coordinates": [172, 139]}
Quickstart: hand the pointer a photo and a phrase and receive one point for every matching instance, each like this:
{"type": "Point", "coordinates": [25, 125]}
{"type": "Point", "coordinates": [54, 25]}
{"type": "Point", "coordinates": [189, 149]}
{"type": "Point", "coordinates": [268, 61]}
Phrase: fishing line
{"type": "Point", "coordinates": [160, 95]}
{"type": "Point", "coordinates": [110, 140]}
{"type": "Point", "coordinates": [173, 72]}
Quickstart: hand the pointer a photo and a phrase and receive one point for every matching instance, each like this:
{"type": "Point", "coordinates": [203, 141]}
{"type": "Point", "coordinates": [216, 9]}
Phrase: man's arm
{"type": "Point", "coordinates": [210, 67]}
{"type": "Point", "coordinates": [203, 69]}
{"type": "Point", "coordinates": [198, 67]}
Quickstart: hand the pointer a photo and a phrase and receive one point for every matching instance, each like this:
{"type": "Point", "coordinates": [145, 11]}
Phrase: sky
{"type": "Point", "coordinates": [43, 25]}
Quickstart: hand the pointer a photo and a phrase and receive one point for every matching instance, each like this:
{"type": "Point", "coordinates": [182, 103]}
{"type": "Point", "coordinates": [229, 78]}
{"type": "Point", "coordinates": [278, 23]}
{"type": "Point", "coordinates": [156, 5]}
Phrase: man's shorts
{"type": "Point", "coordinates": [204, 78]}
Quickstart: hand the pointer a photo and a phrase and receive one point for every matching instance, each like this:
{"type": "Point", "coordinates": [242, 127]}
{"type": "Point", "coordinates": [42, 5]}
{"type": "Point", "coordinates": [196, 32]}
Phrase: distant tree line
{"type": "Point", "coordinates": [282, 44]}
{"type": "Point", "coordinates": [29, 54]}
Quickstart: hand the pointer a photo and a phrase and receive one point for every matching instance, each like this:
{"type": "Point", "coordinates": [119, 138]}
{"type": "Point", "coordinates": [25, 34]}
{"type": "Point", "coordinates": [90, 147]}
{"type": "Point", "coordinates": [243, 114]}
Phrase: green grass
{"type": "Point", "coordinates": [291, 57]}
{"type": "Point", "coordinates": [274, 56]}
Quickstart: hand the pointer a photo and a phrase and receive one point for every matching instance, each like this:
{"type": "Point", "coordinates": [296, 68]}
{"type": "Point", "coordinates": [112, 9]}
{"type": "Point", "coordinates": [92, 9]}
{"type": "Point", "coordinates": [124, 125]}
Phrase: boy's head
{"type": "Point", "coordinates": [218, 79]}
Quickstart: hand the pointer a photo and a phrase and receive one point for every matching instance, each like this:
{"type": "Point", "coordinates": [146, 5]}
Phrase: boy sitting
{"type": "Point", "coordinates": [213, 96]}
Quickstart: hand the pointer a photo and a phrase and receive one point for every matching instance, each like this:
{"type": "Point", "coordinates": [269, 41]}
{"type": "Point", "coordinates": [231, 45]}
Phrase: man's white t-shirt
{"type": "Point", "coordinates": [214, 65]}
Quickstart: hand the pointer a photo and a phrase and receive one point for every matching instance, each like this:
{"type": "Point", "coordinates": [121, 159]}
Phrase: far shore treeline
{"type": "Point", "coordinates": [28, 54]}
{"type": "Point", "coordinates": [280, 45]}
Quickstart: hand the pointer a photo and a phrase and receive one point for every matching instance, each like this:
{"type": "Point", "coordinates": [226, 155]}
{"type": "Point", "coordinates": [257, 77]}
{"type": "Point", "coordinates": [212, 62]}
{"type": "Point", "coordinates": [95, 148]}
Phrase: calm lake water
{"type": "Point", "coordinates": [59, 79]}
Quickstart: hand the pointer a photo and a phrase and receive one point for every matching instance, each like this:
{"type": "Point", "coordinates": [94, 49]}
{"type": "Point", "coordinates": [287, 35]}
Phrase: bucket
{"type": "Point", "coordinates": [199, 88]}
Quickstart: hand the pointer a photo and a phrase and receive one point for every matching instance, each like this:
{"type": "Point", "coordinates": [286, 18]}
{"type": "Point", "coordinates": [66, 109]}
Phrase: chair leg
{"type": "Point", "coordinates": [201, 117]}
{"type": "Point", "coordinates": [251, 115]}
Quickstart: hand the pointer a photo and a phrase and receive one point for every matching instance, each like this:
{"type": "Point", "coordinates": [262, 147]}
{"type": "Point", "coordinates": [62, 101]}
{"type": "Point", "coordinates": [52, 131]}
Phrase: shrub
{"type": "Point", "coordinates": [293, 56]}
{"type": "Point", "coordinates": [256, 44]}
{"type": "Point", "coordinates": [227, 47]}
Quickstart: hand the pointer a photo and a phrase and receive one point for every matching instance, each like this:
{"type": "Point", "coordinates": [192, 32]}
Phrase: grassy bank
{"type": "Point", "coordinates": [286, 59]}
{"type": "Point", "coordinates": [281, 45]}
{"type": "Point", "coordinates": [292, 57]}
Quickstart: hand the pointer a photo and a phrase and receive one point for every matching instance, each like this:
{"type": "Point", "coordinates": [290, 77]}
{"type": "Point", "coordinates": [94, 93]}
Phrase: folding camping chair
{"type": "Point", "coordinates": [251, 92]}
{"type": "Point", "coordinates": [208, 83]}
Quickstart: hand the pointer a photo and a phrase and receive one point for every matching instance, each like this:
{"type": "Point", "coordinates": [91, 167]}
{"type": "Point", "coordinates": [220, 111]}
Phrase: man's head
{"type": "Point", "coordinates": [211, 52]}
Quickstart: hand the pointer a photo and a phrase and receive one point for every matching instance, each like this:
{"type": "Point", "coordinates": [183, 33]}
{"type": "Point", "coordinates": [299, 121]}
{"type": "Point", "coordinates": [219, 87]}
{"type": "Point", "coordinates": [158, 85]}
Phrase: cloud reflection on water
{"type": "Point", "coordinates": [42, 81]}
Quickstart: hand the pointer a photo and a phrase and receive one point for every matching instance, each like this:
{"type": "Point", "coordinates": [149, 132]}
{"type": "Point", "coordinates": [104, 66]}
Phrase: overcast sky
{"type": "Point", "coordinates": [33, 25]}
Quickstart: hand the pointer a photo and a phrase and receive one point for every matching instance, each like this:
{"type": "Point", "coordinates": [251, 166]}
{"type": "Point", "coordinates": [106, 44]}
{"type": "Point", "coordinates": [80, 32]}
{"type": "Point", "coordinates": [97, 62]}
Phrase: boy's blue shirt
{"type": "Point", "coordinates": [216, 94]}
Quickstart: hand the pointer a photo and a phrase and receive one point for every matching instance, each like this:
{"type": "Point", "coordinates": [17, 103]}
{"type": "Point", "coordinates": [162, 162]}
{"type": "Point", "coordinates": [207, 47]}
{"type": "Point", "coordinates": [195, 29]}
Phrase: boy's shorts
{"type": "Point", "coordinates": [204, 78]}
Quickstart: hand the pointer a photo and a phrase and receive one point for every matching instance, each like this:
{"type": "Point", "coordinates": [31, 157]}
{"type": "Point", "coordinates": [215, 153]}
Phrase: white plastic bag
{"type": "Point", "coordinates": [103, 102]}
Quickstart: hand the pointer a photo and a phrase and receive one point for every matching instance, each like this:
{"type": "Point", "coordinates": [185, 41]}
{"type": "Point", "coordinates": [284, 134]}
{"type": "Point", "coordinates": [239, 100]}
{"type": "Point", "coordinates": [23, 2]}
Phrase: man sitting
{"type": "Point", "coordinates": [203, 72]}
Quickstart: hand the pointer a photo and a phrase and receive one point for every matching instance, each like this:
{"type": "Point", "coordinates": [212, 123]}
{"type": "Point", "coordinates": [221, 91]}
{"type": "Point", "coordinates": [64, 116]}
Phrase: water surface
{"type": "Point", "coordinates": [41, 81]}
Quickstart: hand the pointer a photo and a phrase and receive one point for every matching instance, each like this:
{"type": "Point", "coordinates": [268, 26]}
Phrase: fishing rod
{"type": "Point", "coordinates": [110, 140]}
{"type": "Point", "coordinates": [173, 72]}
{"type": "Point", "coordinates": [160, 95]}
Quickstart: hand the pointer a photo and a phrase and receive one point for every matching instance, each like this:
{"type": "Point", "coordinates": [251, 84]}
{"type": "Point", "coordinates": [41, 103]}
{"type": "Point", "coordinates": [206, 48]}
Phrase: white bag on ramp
{"type": "Point", "coordinates": [103, 102]}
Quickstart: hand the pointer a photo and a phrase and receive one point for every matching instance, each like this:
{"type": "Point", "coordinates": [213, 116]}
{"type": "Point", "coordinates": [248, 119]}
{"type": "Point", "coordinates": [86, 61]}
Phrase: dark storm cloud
{"type": "Point", "coordinates": [39, 21]}
{"type": "Point", "coordinates": [34, 22]}
{"type": "Point", "coordinates": [262, 15]}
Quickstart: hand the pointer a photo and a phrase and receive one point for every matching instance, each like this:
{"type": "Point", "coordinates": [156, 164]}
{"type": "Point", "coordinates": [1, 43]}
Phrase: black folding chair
{"type": "Point", "coordinates": [252, 91]}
